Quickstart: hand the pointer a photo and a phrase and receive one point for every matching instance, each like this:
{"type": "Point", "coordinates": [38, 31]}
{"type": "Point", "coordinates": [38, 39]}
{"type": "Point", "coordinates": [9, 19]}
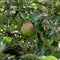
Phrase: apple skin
{"type": "Point", "coordinates": [49, 58]}
{"type": "Point", "coordinates": [7, 40]}
{"type": "Point", "coordinates": [28, 29]}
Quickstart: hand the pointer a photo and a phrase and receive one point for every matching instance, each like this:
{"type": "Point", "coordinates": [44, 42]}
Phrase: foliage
{"type": "Point", "coordinates": [43, 14]}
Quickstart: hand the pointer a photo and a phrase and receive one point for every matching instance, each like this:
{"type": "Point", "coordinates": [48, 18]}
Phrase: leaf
{"type": "Point", "coordinates": [58, 13]}
{"type": "Point", "coordinates": [40, 44]}
{"type": "Point", "coordinates": [1, 3]}
{"type": "Point", "coordinates": [55, 44]}
{"type": "Point", "coordinates": [35, 6]}
{"type": "Point", "coordinates": [33, 17]}
{"type": "Point", "coordinates": [28, 57]}
{"type": "Point", "coordinates": [2, 46]}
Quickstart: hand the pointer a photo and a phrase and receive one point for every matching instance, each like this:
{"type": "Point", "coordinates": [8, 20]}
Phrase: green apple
{"type": "Point", "coordinates": [28, 29]}
{"type": "Point", "coordinates": [7, 40]}
{"type": "Point", "coordinates": [47, 58]}
{"type": "Point", "coordinates": [51, 58]}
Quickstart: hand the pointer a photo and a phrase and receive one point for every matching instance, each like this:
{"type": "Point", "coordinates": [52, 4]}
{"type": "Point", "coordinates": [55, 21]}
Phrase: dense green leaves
{"type": "Point", "coordinates": [45, 17]}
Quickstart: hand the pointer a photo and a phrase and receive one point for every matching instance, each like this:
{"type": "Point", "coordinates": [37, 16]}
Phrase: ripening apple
{"type": "Point", "coordinates": [28, 29]}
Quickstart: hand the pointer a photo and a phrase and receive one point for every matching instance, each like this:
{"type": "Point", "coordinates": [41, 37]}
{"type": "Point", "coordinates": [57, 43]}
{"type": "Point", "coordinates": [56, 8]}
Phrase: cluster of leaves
{"type": "Point", "coordinates": [43, 14]}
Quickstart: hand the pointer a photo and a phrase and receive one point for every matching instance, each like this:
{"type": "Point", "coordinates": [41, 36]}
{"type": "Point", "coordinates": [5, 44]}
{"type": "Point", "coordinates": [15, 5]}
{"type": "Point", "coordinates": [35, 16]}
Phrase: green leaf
{"type": "Point", "coordinates": [40, 44]}
{"type": "Point", "coordinates": [28, 57]}
{"type": "Point", "coordinates": [33, 17]}
{"type": "Point", "coordinates": [55, 44]}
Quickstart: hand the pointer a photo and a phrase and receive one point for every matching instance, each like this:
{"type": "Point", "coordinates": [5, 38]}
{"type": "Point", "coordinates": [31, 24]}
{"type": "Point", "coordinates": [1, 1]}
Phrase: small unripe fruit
{"type": "Point", "coordinates": [7, 40]}
{"type": "Point", "coordinates": [28, 29]}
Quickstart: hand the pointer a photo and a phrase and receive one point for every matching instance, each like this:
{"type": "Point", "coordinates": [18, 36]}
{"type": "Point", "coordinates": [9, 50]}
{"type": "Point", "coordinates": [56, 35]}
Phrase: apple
{"type": "Point", "coordinates": [28, 29]}
{"type": "Point", "coordinates": [51, 58]}
{"type": "Point", "coordinates": [47, 58]}
{"type": "Point", "coordinates": [7, 40]}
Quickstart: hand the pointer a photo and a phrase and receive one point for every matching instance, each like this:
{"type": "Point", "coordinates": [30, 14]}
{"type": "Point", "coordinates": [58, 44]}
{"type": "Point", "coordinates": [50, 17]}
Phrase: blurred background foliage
{"type": "Point", "coordinates": [43, 14]}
